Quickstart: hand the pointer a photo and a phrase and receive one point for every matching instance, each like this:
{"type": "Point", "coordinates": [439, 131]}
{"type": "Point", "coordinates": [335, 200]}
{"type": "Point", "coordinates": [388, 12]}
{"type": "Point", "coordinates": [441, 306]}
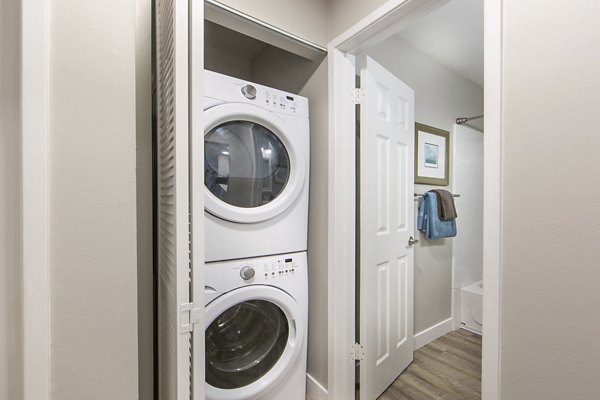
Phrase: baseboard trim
{"type": "Point", "coordinates": [430, 334]}
{"type": "Point", "coordinates": [314, 390]}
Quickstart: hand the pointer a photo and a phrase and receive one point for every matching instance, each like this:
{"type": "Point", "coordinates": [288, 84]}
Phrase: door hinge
{"type": "Point", "coordinates": [358, 95]}
{"type": "Point", "coordinates": [190, 316]}
{"type": "Point", "coordinates": [358, 352]}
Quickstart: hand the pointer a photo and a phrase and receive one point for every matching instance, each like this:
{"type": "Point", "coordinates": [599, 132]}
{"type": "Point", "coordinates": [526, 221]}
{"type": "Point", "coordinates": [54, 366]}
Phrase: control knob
{"type": "Point", "coordinates": [247, 272]}
{"type": "Point", "coordinates": [249, 92]}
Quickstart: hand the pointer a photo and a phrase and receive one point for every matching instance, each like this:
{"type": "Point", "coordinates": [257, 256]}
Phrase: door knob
{"type": "Point", "coordinates": [412, 241]}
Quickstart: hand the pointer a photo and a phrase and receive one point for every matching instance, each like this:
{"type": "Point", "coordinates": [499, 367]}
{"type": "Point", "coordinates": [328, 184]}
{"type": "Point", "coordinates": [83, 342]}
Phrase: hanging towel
{"type": "Point", "coordinates": [429, 222]}
{"type": "Point", "coordinates": [446, 207]}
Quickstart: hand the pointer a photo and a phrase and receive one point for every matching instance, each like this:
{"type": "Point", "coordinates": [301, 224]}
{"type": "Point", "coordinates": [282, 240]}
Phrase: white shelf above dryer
{"type": "Point", "coordinates": [233, 19]}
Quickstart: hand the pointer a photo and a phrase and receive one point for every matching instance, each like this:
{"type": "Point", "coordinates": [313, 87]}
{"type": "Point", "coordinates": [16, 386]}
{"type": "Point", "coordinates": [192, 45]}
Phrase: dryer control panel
{"type": "Point", "coordinates": [280, 102]}
{"type": "Point", "coordinates": [221, 277]}
{"type": "Point", "coordinates": [229, 89]}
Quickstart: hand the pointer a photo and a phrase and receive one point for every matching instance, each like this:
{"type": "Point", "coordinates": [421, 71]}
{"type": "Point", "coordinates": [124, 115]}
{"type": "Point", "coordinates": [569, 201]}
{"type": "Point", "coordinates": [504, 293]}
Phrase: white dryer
{"type": "Point", "coordinates": [256, 150]}
{"type": "Point", "coordinates": [256, 328]}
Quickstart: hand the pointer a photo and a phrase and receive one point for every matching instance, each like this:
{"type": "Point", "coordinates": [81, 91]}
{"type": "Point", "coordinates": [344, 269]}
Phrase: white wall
{"type": "Point", "coordinates": [306, 19]}
{"type": "Point", "coordinates": [11, 363]}
{"type": "Point", "coordinates": [441, 96]}
{"type": "Point", "coordinates": [467, 180]}
{"type": "Point", "coordinates": [550, 224]}
{"type": "Point", "coordinates": [316, 91]}
{"type": "Point", "coordinates": [93, 255]}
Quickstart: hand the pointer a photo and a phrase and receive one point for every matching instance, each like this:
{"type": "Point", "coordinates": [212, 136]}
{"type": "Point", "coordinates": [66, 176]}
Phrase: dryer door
{"type": "Point", "coordinates": [253, 337]}
{"type": "Point", "coordinates": [253, 169]}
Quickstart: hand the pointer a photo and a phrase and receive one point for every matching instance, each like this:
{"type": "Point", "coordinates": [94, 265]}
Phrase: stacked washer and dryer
{"type": "Point", "coordinates": [256, 149]}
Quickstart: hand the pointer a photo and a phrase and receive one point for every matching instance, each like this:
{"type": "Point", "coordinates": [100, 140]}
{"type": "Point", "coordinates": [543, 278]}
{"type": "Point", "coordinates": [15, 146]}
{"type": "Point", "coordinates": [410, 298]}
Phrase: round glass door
{"type": "Point", "coordinates": [244, 343]}
{"type": "Point", "coordinates": [254, 165]}
{"type": "Point", "coordinates": [245, 164]}
{"type": "Point", "coordinates": [253, 336]}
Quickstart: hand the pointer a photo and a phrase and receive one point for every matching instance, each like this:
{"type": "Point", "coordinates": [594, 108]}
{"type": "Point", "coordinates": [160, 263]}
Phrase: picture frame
{"type": "Point", "coordinates": [432, 155]}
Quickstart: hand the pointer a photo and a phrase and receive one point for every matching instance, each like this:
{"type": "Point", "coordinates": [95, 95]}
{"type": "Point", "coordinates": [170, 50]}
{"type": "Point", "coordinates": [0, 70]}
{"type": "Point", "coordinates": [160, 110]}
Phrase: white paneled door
{"type": "Point", "coordinates": [386, 227]}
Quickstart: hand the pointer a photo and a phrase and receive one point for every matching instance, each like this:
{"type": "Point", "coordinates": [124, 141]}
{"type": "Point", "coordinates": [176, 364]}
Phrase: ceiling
{"type": "Point", "coordinates": [453, 35]}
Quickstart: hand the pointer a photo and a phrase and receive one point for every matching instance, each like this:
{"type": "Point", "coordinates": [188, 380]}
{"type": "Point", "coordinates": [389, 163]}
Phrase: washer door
{"type": "Point", "coordinates": [252, 168]}
{"type": "Point", "coordinates": [253, 337]}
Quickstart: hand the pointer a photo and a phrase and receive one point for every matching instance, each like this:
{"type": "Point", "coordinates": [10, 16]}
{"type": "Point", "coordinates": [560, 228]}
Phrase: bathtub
{"type": "Point", "coordinates": [471, 307]}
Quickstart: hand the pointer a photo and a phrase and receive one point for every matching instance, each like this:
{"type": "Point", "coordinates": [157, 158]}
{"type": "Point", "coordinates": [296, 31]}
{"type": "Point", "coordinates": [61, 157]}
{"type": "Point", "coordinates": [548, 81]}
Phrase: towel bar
{"type": "Point", "coordinates": [417, 195]}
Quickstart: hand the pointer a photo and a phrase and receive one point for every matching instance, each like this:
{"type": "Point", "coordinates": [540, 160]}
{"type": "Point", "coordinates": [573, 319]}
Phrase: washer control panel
{"type": "Point", "coordinates": [223, 276]}
{"type": "Point", "coordinates": [279, 269]}
{"type": "Point", "coordinates": [268, 270]}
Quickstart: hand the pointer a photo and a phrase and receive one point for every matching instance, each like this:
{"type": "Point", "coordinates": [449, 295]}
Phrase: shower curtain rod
{"type": "Point", "coordinates": [461, 121]}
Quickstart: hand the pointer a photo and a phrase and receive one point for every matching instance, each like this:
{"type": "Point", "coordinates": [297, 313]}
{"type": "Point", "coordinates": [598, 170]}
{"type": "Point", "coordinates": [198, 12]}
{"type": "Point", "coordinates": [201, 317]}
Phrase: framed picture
{"type": "Point", "coordinates": [432, 155]}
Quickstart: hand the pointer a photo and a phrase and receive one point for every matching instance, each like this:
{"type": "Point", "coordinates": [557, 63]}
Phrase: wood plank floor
{"type": "Point", "coordinates": [448, 368]}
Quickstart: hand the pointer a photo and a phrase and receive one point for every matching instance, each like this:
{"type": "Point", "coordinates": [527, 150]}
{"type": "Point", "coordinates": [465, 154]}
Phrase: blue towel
{"type": "Point", "coordinates": [429, 220]}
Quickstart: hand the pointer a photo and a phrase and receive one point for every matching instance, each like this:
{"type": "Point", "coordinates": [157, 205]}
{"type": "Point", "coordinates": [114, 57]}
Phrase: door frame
{"type": "Point", "coordinates": [377, 26]}
{"type": "Point", "coordinates": [35, 133]}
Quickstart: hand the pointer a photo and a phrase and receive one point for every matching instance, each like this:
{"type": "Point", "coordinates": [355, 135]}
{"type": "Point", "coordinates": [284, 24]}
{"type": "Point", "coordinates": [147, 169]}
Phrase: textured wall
{"type": "Point", "coordinates": [551, 229]}
{"type": "Point", "coordinates": [11, 362]}
{"type": "Point", "coordinates": [440, 97]}
{"type": "Point", "coordinates": [94, 348]}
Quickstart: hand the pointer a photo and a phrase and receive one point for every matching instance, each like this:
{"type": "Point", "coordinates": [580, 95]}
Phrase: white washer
{"type": "Point", "coordinates": [256, 328]}
{"type": "Point", "coordinates": [256, 148]}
